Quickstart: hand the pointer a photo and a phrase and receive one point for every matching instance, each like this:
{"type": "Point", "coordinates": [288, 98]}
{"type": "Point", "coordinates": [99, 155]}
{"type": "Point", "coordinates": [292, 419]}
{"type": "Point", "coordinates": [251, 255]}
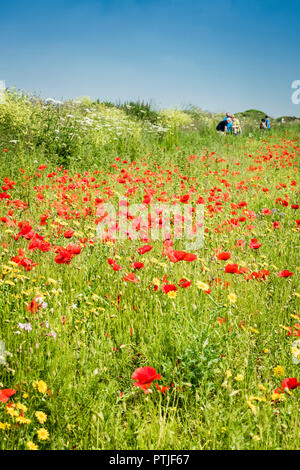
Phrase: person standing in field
{"type": "Point", "coordinates": [229, 125]}
{"type": "Point", "coordinates": [228, 115]}
{"type": "Point", "coordinates": [236, 126]}
{"type": "Point", "coordinates": [268, 123]}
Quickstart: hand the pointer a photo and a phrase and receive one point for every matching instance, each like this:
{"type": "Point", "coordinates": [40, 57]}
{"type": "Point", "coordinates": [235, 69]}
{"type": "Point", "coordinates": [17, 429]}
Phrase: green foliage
{"type": "Point", "coordinates": [253, 114]}
{"type": "Point", "coordinates": [140, 110]}
{"type": "Point", "coordinates": [200, 356]}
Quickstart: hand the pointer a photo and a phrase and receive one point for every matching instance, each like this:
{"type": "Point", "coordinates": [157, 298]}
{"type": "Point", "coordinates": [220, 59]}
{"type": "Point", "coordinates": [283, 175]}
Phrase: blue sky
{"type": "Point", "coordinates": [227, 55]}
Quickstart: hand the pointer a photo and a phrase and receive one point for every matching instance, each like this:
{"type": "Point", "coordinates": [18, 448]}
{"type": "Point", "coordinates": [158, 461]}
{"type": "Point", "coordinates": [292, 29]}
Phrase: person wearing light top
{"type": "Point", "coordinates": [236, 126]}
{"type": "Point", "coordinates": [229, 125]}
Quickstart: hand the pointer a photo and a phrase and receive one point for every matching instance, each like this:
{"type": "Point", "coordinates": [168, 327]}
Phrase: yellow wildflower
{"type": "Point", "coordinates": [42, 386]}
{"type": "Point", "coordinates": [4, 426]}
{"type": "Point", "coordinates": [201, 285]}
{"type": "Point", "coordinates": [252, 407]}
{"type": "Point", "coordinates": [260, 399]}
{"type": "Point", "coordinates": [11, 411]}
{"type": "Point", "coordinates": [23, 420]}
{"type": "Point", "coordinates": [31, 445]}
{"type": "Point", "coordinates": [41, 416]}
{"type": "Point", "coordinates": [278, 371]}
{"type": "Point", "coordinates": [172, 294]}
{"type": "Point", "coordinates": [239, 377]}
{"type": "Point", "coordinates": [42, 434]}
{"type": "Point", "coordinates": [262, 387]}
{"type": "Point", "coordinates": [278, 397]}
{"type": "Point", "coordinates": [232, 298]}
{"type": "Point", "coordinates": [21, 407]}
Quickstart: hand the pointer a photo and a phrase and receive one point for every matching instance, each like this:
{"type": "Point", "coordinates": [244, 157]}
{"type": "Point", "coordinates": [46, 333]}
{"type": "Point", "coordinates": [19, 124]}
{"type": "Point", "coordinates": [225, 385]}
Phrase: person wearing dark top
{"type": "Point", "coordinates": [263, 124]}
{"type": "Point", "coordinates": [222, 126]}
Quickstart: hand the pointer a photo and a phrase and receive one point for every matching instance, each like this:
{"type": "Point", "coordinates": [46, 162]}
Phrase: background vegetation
{"type": "Point", "coordinates": [221, 359]}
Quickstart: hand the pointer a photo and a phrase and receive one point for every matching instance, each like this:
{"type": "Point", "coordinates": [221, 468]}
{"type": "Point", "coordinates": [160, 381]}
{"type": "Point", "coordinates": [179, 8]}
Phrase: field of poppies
{"type": "Point", "coordinates": [141, 343]}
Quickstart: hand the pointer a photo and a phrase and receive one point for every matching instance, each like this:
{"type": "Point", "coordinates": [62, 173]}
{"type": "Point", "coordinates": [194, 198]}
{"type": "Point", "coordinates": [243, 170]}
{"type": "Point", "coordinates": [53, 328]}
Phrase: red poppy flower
{"type": "Point", "coordinates": [184, 283]}
{"type": "Point", "coordinates": [137, 265]}
{"type": "Point", "coordinates": [232, 268]}
{"type": "Point", "coordinates": [144, 376]}
{"type": "Point", "coordinates": [74, 249]}
{"type": "Point", "coordinates": [290, 384]}
{"type": "Point", "coordinates": [182, 256]}
{"type": "Point", "coordinates": [27, 263]}
{"type": "Point", "coordinates": [162, 389]}
{"type": "Point", "coordinates": [38, 243]}
{"type": "Point", "coordinates": [147, 199]}
{"type": "Point", "coordinates": [33, 306]}
{"type": "Point", "coordinates": [144, 249]}
{"type": "Point", "coordinates": [5, 394]}
{"type": "Point", "coordinates": [243, 270]}
{"type": "Point", "coordinates": [224, 256]}
{"type": "Point", "coordinates": [116, 267]}
{"type": "Point", "coordinates": [25, 232]}
{"type": "Point", "coordinates": [130, 277]}
{"type": "Point", "coordinates": [266, 211]}
{"type": "Point", "coordinates": [69, 233]}
{"type": "Point", "coordinates": [168, 288]}
{"type": "Point", "coordinates": [63, 257]}
{"type": "Point", "coordinates": [184, 199]}
{"type": "Point", "coordinates": [285, 273]}
{"type": "Point", "coordinates": [200, 200]}
{"type": "Point", "coordinates": [254, 245]}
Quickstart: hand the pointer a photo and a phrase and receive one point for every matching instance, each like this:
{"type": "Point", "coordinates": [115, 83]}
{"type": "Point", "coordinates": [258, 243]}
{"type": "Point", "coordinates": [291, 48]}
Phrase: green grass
{"type": "Point", "coordinates": [87, 367]}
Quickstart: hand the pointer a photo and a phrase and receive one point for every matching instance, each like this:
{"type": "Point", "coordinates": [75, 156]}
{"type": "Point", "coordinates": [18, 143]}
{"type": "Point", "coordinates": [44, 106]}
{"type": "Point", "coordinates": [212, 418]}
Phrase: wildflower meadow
{"type": "Point", "coordinates": [147, 337]}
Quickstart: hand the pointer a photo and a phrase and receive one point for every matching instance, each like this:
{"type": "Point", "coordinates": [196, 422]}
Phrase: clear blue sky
{"type": "Point", "coordinates": [227, 55]}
